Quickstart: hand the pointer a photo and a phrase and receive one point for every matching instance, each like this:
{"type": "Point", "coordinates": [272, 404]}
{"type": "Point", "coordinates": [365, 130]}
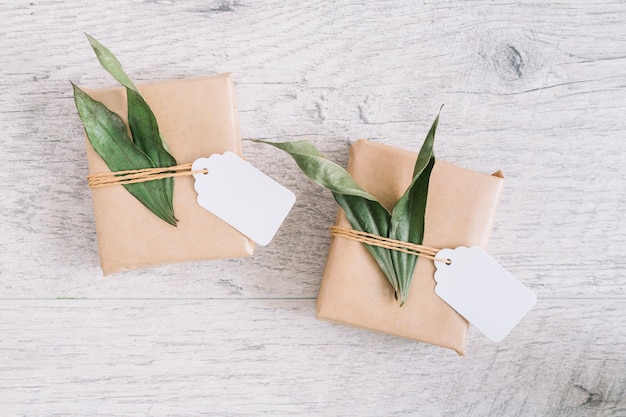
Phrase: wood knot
{"type": "Point", "coordinates": [589, 398]}
{"type": "Point", "coordinates": [515, 60]}
{"type": "Point", "coordinates": [509, 62]}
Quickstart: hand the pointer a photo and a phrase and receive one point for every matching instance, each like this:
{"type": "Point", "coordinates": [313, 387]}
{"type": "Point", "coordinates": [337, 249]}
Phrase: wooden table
{"type": "Point", "coordinates": [535, 89]}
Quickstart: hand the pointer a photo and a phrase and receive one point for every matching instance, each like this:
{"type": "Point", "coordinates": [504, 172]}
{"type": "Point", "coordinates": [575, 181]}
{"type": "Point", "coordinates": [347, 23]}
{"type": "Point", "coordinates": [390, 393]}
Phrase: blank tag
{"type": "Point", "coordinates": [242, 196]}
{"type": "Point", "coordinates": [482, 291]}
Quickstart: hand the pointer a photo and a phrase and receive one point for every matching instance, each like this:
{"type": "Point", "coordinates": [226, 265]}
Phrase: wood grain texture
{"type": "Point", "coordinates": [271, 357]}
{"type": "Point", "coordinates": [533, 88]}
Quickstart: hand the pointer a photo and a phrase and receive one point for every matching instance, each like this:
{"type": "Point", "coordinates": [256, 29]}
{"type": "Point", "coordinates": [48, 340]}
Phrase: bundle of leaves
{"type": "Point", "coordinates": [107, 134]}
{"type": "Point", "coordinates": [365, 213]}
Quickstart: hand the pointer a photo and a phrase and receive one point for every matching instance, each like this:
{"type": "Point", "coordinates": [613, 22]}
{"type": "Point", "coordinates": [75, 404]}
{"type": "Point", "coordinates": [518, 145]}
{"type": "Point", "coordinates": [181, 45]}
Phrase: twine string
{"type": "Point", "coordinates": [132, 176]}
{"type": "Point", "coordinates": [385, 242]}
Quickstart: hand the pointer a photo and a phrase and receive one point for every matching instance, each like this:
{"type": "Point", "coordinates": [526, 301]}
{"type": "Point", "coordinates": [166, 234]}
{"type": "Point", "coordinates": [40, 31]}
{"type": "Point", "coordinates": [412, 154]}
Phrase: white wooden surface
{"type": "Point", "coordinates": [535, 89]}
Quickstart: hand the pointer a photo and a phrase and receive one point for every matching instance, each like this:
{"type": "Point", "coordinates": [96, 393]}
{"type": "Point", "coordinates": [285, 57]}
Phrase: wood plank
{"type": "Point", "coordinates": [244, 357]}
{"type": "Point", "coordinates": [534, 89]}
{"type": "Point", "coordinates": [526, 91]}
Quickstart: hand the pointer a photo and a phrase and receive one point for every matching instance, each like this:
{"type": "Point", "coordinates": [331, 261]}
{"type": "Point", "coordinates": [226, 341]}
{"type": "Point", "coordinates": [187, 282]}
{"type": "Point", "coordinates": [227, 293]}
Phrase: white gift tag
{"type": "Point", "coordinates": [482, 291]}
{"type": "Point", "coordinates": [242, 196]}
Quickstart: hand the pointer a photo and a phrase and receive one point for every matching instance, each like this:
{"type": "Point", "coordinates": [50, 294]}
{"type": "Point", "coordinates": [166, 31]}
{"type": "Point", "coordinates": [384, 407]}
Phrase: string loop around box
{"type": "Point", "coordinates": [388, 243]}
{"type": "Point", "coordinates": [133, 176]}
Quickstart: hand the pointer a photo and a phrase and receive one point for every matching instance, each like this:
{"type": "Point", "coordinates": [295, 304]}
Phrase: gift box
{"type": "Point", "coordinates": [460, 210]}
{"type": "Point", "coordinates": [197, 117]}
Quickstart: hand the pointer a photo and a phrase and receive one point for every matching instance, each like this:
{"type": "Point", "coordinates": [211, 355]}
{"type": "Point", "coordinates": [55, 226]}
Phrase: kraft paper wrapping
{"type": "Point", "coordinates": [197, 117]}
{"type": "Point", "coordinates": [460, 211]}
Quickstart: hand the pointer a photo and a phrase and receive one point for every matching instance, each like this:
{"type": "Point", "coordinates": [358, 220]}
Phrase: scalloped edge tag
{"type": "Point", "coordinates": [242, 196]}
{"type": "Point", "coordinates": [482, 291]}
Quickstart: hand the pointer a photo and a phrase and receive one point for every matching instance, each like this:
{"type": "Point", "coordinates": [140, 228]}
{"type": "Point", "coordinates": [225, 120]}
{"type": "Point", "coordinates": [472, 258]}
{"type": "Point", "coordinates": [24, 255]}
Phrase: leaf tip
{"type": "Point", "coordinates": [170, 219]}
{"type": "Point", "coordinates": [76, 89]}
{"type": "Point", "coordinates": [92, 41]}
{"type": "Point", "coordinates": [439, 113]}
{"type": "Point", "coordinates": [80, 94]}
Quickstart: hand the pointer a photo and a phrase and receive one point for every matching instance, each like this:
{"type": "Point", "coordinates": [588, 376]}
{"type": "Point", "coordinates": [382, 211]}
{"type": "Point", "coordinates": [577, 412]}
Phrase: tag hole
{"type": "Point", "coordinates": [205, 171]}
{"type": "Point", "coordinates": [448, 261]}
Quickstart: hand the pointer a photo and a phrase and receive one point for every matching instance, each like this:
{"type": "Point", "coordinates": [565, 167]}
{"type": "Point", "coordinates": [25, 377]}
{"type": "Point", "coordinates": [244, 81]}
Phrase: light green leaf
{"type": "Point", "coordinates": [110, 63]}
{"type": "Point", "coordinates": [106, 132]}
{"type": "Point", "coordinates": [363, 210]}
{"type": "Point", "coordinates": [407, 217]}
{"type": "Point", "coordinates": [321, 170]}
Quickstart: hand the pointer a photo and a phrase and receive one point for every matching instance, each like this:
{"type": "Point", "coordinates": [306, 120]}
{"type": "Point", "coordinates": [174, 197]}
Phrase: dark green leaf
{"type": "Point", "coordinates": [407, 217]}
{"type": "Point", "coordinates": [145, 131]}
{"type": "Point", "coordinates": [320, 170]}
{"type": "Point", "coordinates": [141, 119]}
{"type": "Point", "coordinates": [106, 132]}
{"type": "Point", "coordinates": [371, 217]}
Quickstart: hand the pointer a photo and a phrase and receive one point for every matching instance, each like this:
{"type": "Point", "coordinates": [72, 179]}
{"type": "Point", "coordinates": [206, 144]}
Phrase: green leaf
{"type": "Point", "coordinates": [146, 136]}
{"type": "Point", "coordinates": [110, 63]}
{"type": "Point", "coordinates": [107, 134]}
{"type": "Point", "coordinates": [371, 217]}
{"type": "Point", "coordinates": [141, 119]}
{"type": "Point", "coordinates": [320, 170]}
{"type": "Point", "coordinates": [407, 216]}
{"type": "Point", "coordinates": [364, 211]}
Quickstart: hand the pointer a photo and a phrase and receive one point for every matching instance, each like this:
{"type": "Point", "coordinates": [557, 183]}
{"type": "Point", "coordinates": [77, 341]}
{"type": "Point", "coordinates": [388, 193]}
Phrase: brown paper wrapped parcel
{"type": "Point", "coordinates": [460, 211]}
{"type": "Point", "coordinates": [197, 117]}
